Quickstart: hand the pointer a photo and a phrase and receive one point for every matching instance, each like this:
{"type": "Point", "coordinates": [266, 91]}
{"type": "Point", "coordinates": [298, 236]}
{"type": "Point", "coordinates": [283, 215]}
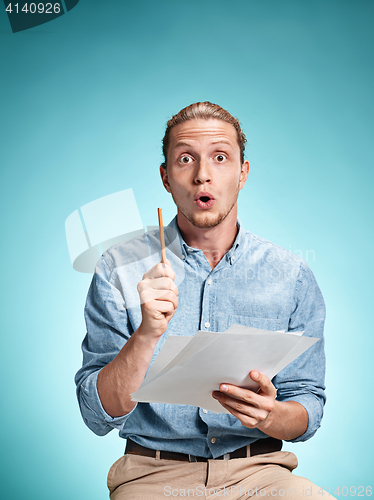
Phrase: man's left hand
{"type": "Point", "coordinates": [251, 408]}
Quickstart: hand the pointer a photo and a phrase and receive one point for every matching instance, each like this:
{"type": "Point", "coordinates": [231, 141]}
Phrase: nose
{"type": "Point", "coordinates": [202, 174]}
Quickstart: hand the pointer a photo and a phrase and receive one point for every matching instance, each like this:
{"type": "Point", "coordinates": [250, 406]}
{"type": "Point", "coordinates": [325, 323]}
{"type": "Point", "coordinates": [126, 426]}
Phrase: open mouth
{"type": "Point", "coordinates": [204, 200]}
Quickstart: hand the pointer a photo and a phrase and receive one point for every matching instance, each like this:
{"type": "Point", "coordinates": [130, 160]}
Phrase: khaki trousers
{"type": "Point", "coordinates": [266, 476]}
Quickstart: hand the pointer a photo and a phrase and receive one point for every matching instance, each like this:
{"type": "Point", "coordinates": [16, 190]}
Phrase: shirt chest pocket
{"type": "Point", "coordinates": [261, 323]}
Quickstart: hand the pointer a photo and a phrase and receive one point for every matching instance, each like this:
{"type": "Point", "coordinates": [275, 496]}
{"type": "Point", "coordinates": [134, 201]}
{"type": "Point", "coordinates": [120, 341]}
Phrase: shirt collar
{"type": "Point", "coordinates": [183, 250]}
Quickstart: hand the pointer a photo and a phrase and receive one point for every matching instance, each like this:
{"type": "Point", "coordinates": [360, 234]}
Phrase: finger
{"type": "Point", "coordinates": [245, 408]}
{"type": "Point", "coordinates": [160, 270]}
{"type": "Point", "coordinates": [150, 295]}
{"type": "Point", "coordinates": [241, 393]}
{"type": "Point", "coordinates": [266, 386]}
{"type": "Point", "coordinates": [245, 395]}
{"type": "Point", "coordinates": [249, 421]}
{"type": "Point", "coordinates": [156, 308]}
{"type": "Point", "coordinates": [163, 283]}
{"type": "Point", "coordinates": [248, 403]}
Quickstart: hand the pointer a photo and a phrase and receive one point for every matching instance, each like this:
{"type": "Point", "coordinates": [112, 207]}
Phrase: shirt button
{"type": "Point", "coordinates": [209, 281]}
{"type": "Point", "coordinates": [183, 257]}
{"type": "Point", "coordinates": [213, 440]}
{"type": "Point", "coordinates": [233, 258]}
{"type": "Point", "coordinates": [205, 411]}
{"type": "Point", "coordinates": [207, 325]}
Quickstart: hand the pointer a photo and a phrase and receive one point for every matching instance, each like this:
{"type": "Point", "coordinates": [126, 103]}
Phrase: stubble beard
{"type": "Point", "coordinates": [206, 221]}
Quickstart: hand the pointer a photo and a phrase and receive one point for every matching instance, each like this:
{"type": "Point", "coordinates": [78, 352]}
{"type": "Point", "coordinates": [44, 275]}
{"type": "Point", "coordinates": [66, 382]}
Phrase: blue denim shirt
{"type": "Point", "coordinates": [256, 283]}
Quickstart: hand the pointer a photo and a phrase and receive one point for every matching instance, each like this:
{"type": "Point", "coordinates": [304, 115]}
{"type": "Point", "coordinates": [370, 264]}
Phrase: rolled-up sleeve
{"type": "Point", "coordinates": [108, 329]}
{"type": "Point", "coordinates": [304, 379]}
{"type": "Point", "coordinates": [93, 413]}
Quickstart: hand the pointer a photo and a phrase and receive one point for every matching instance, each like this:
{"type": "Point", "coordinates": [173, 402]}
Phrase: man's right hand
{"type": "Point", "coordinates": [159, 299]}
{"type": "Point", "coordinates": [125, 373]}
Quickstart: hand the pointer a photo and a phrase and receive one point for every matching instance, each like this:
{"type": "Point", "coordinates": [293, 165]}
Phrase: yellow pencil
{"type": "Point", "coordinates": [162, 237]}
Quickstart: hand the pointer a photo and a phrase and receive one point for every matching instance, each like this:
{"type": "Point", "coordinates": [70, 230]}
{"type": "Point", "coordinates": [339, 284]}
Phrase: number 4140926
{"type": "Point", "coordinates": [32, 8]}
{"type": "Point", "coordinates": [352, 491]}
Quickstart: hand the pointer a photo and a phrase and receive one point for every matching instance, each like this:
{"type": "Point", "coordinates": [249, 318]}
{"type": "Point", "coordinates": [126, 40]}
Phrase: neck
{"type": "Point", "coordinates": [216, 241]}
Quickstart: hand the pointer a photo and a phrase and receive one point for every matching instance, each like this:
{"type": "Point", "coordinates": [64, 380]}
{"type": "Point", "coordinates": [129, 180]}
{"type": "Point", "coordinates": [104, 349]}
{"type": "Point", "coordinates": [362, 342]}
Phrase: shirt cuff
{"type": "Point", "coordinates": [315, 412]}
{"type": "Point", "coordinates": [92, 401]}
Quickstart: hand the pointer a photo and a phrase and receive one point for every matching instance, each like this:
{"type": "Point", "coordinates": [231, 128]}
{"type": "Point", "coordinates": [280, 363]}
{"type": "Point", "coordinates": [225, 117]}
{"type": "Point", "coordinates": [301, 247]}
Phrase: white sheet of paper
{"type": "Point", "coordinates": [208, 359]}
{"type": "Point", "coordinates": [175, 349]}
{"type": "Point", "coordinates": [171, 348]}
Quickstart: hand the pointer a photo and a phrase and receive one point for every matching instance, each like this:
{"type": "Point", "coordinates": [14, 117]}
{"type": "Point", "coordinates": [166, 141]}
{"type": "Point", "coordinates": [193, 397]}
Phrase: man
{"type": "Point", "coordinates": [225, 276]}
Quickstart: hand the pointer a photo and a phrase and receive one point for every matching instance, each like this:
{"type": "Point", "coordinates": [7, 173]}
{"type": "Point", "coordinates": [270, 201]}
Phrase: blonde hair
{"type": "Point", "coordinates": [203, 110]}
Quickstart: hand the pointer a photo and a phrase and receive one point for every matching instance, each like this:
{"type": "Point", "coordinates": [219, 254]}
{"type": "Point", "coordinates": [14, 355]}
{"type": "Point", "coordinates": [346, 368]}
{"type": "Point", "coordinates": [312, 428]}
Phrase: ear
{"type": "Point", "coordinates": [165, 180]}
{"type": "Point", "coordinates": [244, 174]}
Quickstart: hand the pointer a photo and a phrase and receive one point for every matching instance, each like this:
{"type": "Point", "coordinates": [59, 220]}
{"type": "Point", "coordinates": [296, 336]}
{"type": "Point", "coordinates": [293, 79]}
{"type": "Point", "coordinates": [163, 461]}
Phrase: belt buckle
{"type": "Point", "coordinates": [192, 458]}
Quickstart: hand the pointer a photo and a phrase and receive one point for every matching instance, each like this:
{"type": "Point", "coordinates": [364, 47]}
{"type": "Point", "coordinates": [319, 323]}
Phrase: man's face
{"type": "Point", "coordinates": [204, 173]}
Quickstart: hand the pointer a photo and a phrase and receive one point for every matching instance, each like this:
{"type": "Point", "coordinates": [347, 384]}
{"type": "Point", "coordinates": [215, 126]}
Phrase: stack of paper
{"type": "Point", "coordinates": [188, 369]}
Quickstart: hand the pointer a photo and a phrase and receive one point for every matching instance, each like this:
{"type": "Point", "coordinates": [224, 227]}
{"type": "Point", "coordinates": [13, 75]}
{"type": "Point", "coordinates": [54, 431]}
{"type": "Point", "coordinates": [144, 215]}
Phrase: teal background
{"type": "Point", "coordinates": [84, 102]}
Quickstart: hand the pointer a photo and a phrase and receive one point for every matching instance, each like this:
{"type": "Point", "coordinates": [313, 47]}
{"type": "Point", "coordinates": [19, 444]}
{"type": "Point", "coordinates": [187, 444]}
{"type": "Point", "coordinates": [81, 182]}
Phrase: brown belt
{"type": "Point", "coordinates": [266, 445]}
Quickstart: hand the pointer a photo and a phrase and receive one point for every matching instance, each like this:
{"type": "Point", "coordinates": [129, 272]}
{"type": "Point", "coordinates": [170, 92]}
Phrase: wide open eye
{"type": "Point", "coordinates": [220, 158]}
{"type": "Point", "coordinates": [185, 159]}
